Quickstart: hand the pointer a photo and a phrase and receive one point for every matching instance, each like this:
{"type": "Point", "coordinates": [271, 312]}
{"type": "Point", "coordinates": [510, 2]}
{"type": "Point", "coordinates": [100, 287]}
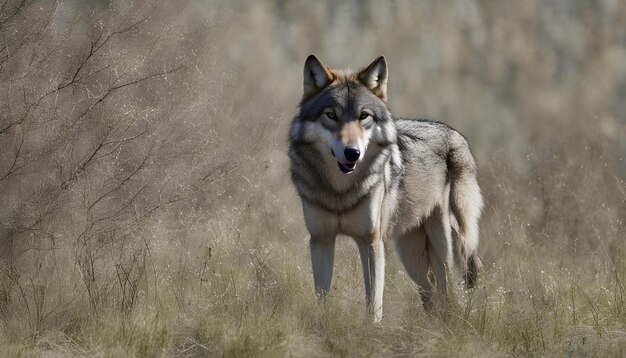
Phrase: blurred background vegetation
{"type": "Point", "coordinates": [145, 200]}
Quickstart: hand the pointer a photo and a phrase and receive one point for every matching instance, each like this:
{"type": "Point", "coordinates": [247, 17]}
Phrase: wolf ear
{"type": "Point", "coordinates": [374, 77]}
{"type": "Point", "coordinates": [316, 76]}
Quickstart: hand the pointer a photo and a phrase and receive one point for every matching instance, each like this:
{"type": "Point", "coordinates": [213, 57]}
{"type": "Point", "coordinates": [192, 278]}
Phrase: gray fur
{"type": "Point", "coordinates": [415, 184]}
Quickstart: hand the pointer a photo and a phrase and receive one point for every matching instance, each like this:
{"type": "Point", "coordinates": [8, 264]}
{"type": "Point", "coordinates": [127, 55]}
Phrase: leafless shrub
{"type": "Point", "coordinates": [91, 141]}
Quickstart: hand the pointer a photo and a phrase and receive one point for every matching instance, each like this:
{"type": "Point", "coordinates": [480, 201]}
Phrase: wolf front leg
{"type": "Point", "coordinates": [322, 260]}
{"type": "Point", "coordinates": [373, 261]}
{"type": "Point", "coordinates": [322, 225]}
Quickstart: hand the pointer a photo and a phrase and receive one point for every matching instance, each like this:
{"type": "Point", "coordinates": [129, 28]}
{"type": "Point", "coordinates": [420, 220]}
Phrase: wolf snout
{"type": "Point", "coordinates": [352, 154]}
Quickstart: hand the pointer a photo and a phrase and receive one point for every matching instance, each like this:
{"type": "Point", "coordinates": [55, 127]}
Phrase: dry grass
{"type": "Point", "coordinates": [146, 207]}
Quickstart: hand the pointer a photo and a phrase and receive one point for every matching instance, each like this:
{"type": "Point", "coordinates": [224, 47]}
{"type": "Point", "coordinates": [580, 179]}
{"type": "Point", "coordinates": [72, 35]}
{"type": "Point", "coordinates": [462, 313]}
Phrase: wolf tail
{"type": "Point", "coordinates": [466, 204]}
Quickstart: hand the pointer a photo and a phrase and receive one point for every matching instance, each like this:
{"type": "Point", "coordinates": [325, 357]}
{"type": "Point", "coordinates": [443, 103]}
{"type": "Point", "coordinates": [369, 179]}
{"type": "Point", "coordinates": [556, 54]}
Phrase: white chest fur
{"type": "Point", "coordinates": [361, 222]}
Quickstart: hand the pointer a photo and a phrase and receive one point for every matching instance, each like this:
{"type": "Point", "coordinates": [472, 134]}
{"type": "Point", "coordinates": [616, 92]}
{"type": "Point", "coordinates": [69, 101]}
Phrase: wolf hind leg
{"type": "Point", "coordinates": [322, 260]}
{"type": "Point", "coordinates": [439, 235]}
{"type": "Point", "coordinates": [412, 248]}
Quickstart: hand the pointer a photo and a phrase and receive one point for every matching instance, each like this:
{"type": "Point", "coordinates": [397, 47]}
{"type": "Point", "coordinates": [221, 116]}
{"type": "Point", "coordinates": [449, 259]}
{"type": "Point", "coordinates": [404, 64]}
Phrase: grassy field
{"type": "Point", "coordinates": [146, 208]}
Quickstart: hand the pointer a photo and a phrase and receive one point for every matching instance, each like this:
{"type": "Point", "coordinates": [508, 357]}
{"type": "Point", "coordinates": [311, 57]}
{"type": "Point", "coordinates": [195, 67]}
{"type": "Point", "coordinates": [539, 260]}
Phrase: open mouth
{"type": "Point", "coordinates": [346, 168]}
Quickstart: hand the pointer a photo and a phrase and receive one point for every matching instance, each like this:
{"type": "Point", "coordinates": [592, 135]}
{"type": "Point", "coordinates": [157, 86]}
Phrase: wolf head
{"type": "Point", "coordinates": [343, 112]}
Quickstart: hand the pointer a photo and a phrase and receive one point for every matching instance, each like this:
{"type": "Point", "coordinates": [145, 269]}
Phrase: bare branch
{"type": "Point", "coordinates": [8, 18]}
{"type": "Point", "coordinates": [133, 26]}
{"type": "Point", "coordinates": [123, 181]}
{"type": "Point", "coordinates": [139, 80]}
{"type": "Point", "coordinates": [14, 166]}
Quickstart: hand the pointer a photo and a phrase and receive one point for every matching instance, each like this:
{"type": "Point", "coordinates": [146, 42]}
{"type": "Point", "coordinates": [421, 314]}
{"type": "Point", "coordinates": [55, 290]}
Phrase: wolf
{"type": "Point", "coordinates": [364, 173]}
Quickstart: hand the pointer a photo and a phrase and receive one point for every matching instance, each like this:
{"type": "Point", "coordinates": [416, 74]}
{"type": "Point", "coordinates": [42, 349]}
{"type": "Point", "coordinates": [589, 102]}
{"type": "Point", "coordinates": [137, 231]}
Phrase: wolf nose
{"type": "Point", "coordinates": [352, 154]}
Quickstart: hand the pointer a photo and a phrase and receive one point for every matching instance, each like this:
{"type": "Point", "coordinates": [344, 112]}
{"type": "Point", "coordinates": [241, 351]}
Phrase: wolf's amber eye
{"type": "Point", "coordinates": [331, 115]}
{"type": "Point", "coordinates": [364, 115]}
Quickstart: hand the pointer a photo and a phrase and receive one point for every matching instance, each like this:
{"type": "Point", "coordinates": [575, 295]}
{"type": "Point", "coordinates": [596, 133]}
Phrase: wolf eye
{"type": "Point", "coordinates": [364, 115]}
{"type": "Point", "coordinates": [331, 115]}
